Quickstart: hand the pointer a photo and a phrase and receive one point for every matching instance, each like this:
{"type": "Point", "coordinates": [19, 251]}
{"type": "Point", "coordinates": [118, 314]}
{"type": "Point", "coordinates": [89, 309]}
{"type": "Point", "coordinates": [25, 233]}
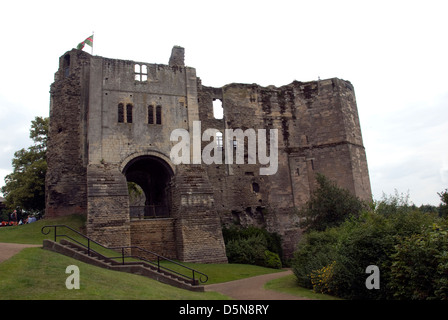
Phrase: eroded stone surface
{"type": "Point", "coordinates": [111, 121]}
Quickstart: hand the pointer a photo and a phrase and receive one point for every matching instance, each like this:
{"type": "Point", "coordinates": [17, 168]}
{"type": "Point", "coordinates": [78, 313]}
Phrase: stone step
{"type": "Point", "coordinates": [142, 268]}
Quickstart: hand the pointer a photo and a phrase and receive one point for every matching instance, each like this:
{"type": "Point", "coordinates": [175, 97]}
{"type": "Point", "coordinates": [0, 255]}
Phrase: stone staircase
{"type": "Point", "coordinates": [142, 268]}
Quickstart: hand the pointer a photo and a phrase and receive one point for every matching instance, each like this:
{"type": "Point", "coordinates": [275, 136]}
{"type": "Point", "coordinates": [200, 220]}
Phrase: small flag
{"type": "Point", "coordinates": [88, 41]}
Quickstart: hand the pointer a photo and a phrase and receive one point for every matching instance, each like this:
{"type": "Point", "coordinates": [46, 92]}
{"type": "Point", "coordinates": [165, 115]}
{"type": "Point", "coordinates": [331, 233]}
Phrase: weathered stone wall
{"type": "Point", "coordinates": [108, 206]}
{"type": "Point", "coordinates": [105, 141]}
{"type": "Point", "coordinates": [97, 145]}
{"type": "Point", "coordinates": [155, 235]}
{"type": "Point", "coordinates": [318, 131]}
{"type": "Point", "coordinates": [66, 190]}
{"type": "Point", "coordinates": [198, 227]}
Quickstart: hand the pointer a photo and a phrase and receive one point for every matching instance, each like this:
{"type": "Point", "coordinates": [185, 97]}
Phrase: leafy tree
{"type": "Point", "coordinates": [394, 204]}
{"type": "Point", "coordinates": [443, 208]}
{"type": "Point", "coordinates": [329, 206]}
{"type": "Point", "coordinates": [420, 265]}
{"type": "Point", "coordinates": [315, 250]}
{"type": "Point", "coordinates": [25, 186]}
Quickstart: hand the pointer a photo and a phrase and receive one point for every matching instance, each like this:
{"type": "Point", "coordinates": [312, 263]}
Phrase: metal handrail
{"type": "Point", "coordinates": [203, 278]}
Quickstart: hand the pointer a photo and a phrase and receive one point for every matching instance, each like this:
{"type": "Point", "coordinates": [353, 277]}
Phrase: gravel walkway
{"type": "Point", "coordinates": [252, 288]}
{"type": "Point", "coordinates": [7, 250]}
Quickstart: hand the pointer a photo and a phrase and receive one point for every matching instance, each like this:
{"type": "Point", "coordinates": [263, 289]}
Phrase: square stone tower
{"type": "Point", "coordinates": [111, 124]}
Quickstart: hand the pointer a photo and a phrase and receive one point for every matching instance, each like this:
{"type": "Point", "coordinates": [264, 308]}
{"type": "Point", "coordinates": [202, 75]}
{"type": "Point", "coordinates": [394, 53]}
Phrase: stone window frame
{"type": "Point", "coordinates": [158, 114]}
{"type": "Point", "coordinates": [150, 114]}
{"type": "Point", "coordinates": [125, 115]}
{"type": "Point", "coordinates": [155, 114]}
{"type": "Point", "coordinates": [129, 111]}
{"type": "Point", "coordinates": [121, 116]}
{"type": "Point", "coordinates": [140, 72]}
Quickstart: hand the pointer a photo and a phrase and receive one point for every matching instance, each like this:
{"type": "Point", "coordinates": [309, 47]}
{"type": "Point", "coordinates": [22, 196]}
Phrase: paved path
{"type": "Point", "coordinates": [252, 288]}
{"type": "Point", "coordinates": [7, 250]}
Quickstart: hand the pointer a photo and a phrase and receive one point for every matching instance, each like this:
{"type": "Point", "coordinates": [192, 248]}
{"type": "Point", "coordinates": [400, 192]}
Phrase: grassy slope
{"type": "Point", "coordinates": [31, 233]}
{"type": "Point", "coordinates": [35, 273]}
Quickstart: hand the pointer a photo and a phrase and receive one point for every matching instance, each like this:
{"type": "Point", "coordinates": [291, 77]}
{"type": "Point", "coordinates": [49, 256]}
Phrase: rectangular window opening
{"type": "Point", "coordinates": [159, 115]}
{"type": "Point", "coordinates": [219, 141]}
{"type": "Point", "coordinates": [218, 111]}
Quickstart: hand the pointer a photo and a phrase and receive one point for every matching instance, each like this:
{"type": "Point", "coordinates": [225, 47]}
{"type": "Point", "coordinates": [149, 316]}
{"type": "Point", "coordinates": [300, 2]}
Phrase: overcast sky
{"type": "Point", "coordinates": [393, 52]}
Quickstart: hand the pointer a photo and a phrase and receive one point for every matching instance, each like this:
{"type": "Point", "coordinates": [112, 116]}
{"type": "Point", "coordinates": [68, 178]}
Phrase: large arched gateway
{"type": "Point", "coordinates": [153, 176]}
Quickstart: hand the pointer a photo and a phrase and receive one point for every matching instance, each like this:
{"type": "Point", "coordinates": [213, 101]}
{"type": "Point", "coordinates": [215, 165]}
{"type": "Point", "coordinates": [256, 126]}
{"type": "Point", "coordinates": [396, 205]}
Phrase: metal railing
{"type": "Point", "coordinates": [195, 278]}
{"type": "Point", "coordinates": [149, 212]}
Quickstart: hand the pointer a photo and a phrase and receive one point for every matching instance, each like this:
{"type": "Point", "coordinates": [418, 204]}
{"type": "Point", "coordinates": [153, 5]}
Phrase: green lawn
{"type": "Point", "coordinates": [289, 285]}
{"type": "Point", "coordinates": [31, 233]}
{"type": "Point", "coordinates": [35, 273]}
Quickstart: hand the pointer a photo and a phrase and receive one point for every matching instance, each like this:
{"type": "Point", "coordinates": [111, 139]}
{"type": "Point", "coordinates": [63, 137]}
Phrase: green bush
{"type": "Point", "coordinates": [373, 239]}
{"type": "Point", "coordinates": [419, 266]}
{"type": "Point", "coordinates": [272, 240]}
{"type": "Point", "coordinates": [362, 242]}
{"type": "Point", "coordinates": [272, 260]}
{"type": "Point", "coordinates": [246, 250]}
{"type": "Point", "coordinates": [329, 206]}
{"type": "Point", "coordinates": [315, 251]}
{"type": "Point", "coordinates": [253, 246]}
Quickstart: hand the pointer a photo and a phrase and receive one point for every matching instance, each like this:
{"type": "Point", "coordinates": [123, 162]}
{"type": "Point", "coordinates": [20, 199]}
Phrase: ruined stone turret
{"type": "Point", "coordinates": [177, 58]}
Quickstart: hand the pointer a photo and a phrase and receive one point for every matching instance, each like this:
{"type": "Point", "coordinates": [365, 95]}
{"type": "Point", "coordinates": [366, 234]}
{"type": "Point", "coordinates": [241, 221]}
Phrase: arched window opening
{"type": "Point", "coordinates": [129, 113]}
{"type": "Point", "coordinates": [141, 72]}
{"type": "Point", "coordinates": [150, 115]}
{"type": "Point", "coordinates": [218, 112]}
{"type": "Point", "coordinates": [255, 187]}
{"type": "Point", "coordinates": [120, 113]}
{"type": "Point", "coordinates": [159, 115]}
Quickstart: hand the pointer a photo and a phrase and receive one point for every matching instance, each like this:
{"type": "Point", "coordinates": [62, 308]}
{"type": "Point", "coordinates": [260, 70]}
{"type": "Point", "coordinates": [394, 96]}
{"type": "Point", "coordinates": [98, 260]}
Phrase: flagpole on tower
{"type": "Point", "coordinates": [93, 34]}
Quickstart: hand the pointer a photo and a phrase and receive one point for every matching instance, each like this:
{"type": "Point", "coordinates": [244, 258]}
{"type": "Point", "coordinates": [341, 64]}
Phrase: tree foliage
{"type": "Point", "coordinates": [443, 208]}
{"type": "Point", "coordinates": [329, 206]}
{"type": "Point", "coordinates": [420, 265]}
{"type": "Point", "coordinates": [408, 245]}
{"type": "Point", "coordinates": [25, 187]}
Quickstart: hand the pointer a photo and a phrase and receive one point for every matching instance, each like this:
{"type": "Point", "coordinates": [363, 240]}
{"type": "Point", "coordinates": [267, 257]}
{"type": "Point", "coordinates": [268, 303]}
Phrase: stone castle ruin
{"type": "Point", "coordinates": [111, 123]}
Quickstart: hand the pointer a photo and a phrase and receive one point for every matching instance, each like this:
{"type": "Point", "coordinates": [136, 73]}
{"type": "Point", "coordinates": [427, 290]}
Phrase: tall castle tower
{"type": "Point", "coordinates": [111, 122]}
